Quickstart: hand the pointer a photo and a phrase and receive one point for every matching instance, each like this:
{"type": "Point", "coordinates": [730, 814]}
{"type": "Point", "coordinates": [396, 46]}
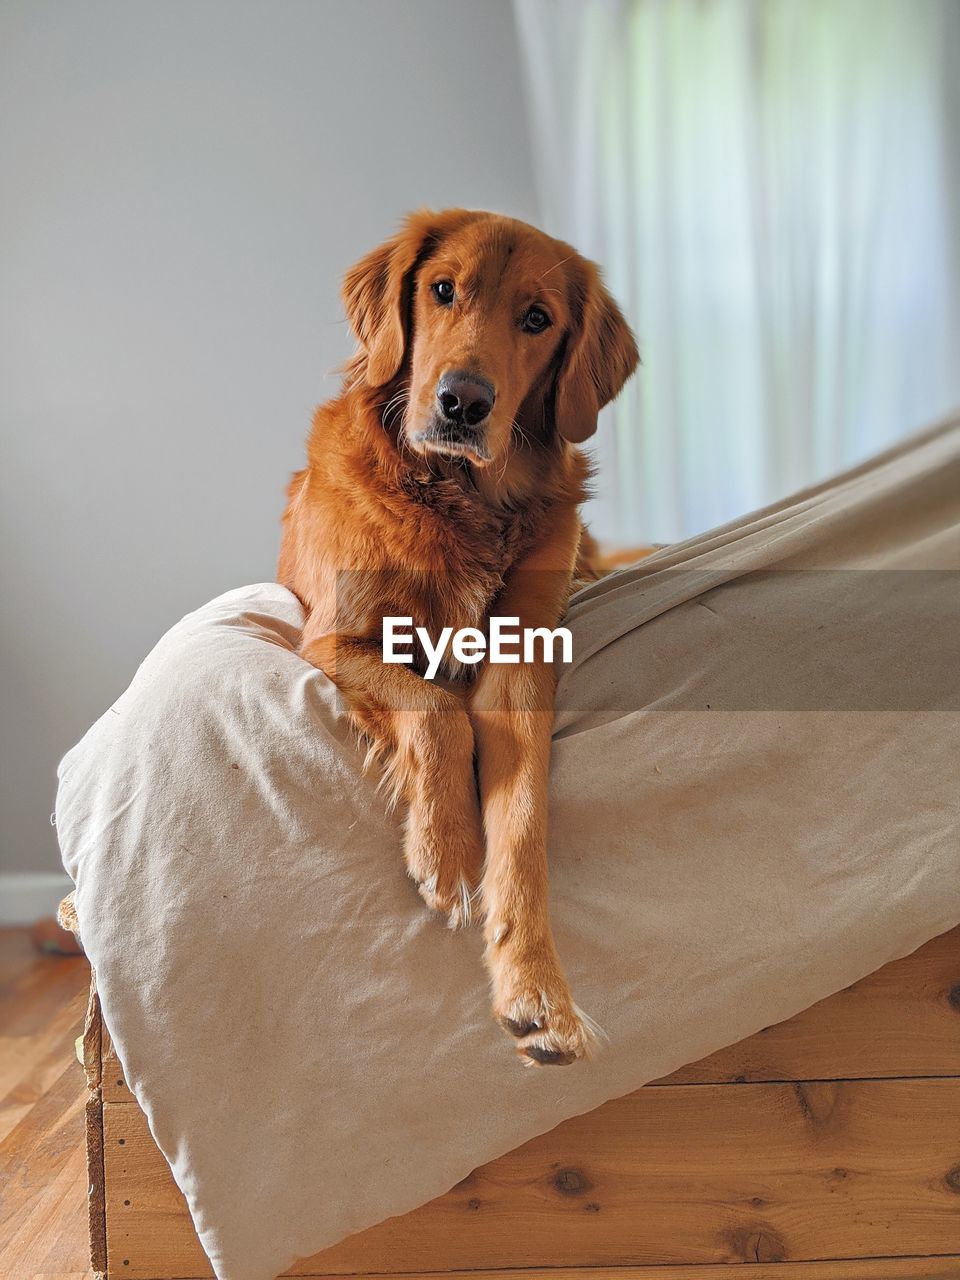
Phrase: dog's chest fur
{"type": "Point", "coordinates": [438, 554]}
{"type": "Point", "coordinates": [372, 533]}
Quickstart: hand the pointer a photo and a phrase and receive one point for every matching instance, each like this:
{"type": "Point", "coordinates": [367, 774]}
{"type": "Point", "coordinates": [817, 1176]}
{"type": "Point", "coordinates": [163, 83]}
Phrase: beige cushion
{"type": "Point", "coordinates": [754, 803]}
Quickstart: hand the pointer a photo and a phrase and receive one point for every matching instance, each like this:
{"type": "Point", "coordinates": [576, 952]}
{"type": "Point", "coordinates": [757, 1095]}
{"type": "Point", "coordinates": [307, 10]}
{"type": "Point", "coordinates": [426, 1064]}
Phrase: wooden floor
{"type": "Point", "coordinates": [43, 1213]}
{"type": "Point", "coordinates": [892, 1046]}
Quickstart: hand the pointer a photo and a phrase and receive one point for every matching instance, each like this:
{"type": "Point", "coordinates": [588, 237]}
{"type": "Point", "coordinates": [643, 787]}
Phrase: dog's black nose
{"type": "Point", "coordinates": [465, 398]}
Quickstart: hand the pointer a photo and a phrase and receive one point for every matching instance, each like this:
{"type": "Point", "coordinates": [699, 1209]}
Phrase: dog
{"type": "Point", "coordinates": [443, 483]}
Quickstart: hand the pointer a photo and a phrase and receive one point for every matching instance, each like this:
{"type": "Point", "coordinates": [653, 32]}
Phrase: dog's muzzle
{"type": "Point", "coordinates": [465, 399]}
{"type": "Point", "coordinates": [464, 403]}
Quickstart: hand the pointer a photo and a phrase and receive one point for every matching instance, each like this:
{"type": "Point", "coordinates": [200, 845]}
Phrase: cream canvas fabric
{"type": "Point", "coordinates": [754, 802]}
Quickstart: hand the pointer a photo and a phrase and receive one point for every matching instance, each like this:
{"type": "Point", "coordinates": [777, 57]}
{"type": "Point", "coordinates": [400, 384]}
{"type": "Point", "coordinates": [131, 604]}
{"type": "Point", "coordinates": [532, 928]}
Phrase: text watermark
{"type": "Point", "coordinates": [504, 642]}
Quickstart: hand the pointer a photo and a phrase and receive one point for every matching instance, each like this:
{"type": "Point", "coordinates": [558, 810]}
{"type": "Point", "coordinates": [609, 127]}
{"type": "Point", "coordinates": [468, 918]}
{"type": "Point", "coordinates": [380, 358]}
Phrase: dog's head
{"type": "Point", "coordinates": [491, 326]}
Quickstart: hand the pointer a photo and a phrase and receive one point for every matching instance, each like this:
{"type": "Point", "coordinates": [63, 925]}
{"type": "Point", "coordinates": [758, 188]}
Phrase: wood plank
{"type": "Point", "coordinates": [42, 1233]}
{"type": "Point", "coordinates": [91, 1048]}
{"type": "Point", "coordinates": [944, 1267]}
{"type": "Point", "coordinates": [113, 1084]}
{"type": "Point", "coordinates": [904, 1020]}
{"type": "Point", "coordinates": [682, 1174]}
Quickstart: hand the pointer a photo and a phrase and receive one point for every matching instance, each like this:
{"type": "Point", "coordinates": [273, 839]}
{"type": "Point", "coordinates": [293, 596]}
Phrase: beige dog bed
{"type": "Point", "coordinates": [754, 804]}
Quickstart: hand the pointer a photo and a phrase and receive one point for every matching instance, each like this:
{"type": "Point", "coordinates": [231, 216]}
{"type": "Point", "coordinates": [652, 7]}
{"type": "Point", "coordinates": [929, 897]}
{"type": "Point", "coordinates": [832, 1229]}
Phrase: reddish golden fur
{"type": "Point", "coordinates": [448, 534]}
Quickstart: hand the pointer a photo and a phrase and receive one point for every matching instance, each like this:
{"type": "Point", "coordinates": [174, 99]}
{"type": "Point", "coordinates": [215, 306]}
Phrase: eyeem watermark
{"type": "Point", "coordinates": [506, 642]}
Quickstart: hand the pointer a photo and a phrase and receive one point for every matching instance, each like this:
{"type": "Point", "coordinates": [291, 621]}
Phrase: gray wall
{"type": "Point", "coordinates": [183, 185]}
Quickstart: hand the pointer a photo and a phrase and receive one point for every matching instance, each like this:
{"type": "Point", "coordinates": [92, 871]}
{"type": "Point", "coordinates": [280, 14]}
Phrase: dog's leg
{"type": "Point", "coordinates": [512, 713]}
{"type": "Point", "coordinates": [425, 739]}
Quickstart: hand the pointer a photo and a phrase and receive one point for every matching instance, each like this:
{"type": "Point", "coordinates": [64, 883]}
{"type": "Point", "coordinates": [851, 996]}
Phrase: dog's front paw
{"type": "Point", "coordinates": [445, 866]}
{"type": "Point", "coordinates": [450, 897]}
{"type": "Point", "coordinates": [532, 1002]}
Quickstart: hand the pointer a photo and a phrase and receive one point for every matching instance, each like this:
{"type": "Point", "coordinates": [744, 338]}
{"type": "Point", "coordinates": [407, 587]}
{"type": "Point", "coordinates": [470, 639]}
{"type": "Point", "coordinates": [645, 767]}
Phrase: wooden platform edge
{"type": "Point", "coordinates": [900, 1021]}
{"type": "Point", "coordinates": [930, 1267]}
{"type": "Point", "coordinates": [100, 1069]}
{"type": "Point", "coordinates": [93, 1121]}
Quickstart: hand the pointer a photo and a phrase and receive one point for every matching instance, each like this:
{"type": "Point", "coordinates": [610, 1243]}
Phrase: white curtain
{"type": "Point", "coordinates": [773, 188]}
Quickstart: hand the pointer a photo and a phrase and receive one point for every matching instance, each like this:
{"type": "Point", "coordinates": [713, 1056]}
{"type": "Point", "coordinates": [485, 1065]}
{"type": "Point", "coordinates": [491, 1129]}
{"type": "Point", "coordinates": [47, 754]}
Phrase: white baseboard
{"type": "Point", "coordinates": [28, 896]}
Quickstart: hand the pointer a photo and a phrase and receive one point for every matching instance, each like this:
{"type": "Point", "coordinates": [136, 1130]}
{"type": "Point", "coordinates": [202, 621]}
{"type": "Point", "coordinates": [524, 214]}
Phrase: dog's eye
{"type": "Point", "coordinates": [536, 320]}
{"type": "Point", "coordinates": [443, 292]}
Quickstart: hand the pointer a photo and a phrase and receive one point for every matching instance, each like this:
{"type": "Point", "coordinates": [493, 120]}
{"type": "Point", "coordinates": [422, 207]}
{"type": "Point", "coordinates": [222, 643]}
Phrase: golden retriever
{"type": "Point", "coordinates": [443, 484]}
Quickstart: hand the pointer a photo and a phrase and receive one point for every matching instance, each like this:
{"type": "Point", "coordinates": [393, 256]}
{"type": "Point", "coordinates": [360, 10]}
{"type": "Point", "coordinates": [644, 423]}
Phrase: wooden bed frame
{"type": "Point", "coordinates": [825, 1148]}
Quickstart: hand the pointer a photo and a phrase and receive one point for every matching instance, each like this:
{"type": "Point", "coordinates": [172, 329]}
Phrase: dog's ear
{"type": "Point", "coordinates": [600, 356]}
{"type": "Point", "coordinates": [377, 291]}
